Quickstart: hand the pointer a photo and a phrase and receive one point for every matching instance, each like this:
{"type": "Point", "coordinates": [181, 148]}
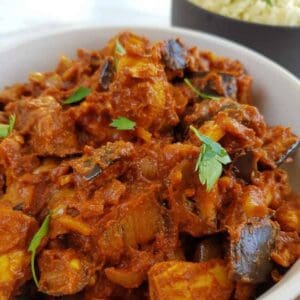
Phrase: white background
{"type": "Point", "coordinates": [22, 18]}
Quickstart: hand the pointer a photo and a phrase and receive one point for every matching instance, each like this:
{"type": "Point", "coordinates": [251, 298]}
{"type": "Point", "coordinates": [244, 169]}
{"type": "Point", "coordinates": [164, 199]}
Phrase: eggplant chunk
{"type": "Point", "coordinates": [250, 253]}
{"type": "Point", "coordinates": [209, 248]}
{"type": "Point", "coordinates": [219, 84]}
{"type": "Point", "coordinates": [288, 153]}
{"type": "Point", "coordinates": [95, 171]}
{"type": "Point", "coordinates": [244, 166]}
{"type": "Point", "coordinates": [106, 73]}
{"type": "Point", "coordinates": [174, 55]}
{"type": "Point", "coordinates": [229, 85]}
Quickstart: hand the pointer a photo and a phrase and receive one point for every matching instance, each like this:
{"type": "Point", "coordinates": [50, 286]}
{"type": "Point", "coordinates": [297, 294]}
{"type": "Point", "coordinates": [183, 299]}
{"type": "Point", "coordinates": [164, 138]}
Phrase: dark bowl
{"type": "Point", "coordinates": [280, 43]}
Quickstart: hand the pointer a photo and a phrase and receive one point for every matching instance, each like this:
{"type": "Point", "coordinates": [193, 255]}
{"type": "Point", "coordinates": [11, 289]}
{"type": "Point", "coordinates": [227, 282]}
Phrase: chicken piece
{"type": "Point", "coordinates": [176, 280]}
{"type": "Point", "coordinates": [73, 224]}
{"type": "Point", "coordinates": [95, 161]}
{"type": "Point", "coordinates": [244, 127]}
{"type": "Point", "coordinates": [16, 229]}
{"type": "Point", "coordinates": [134, 45]}
{"type": "Point", "coordinates": [274, 186]}
{"type": "Point", "coordinates": [73, 208]}
{"type": "Point", "coordinates": [206, 110]}
{"type": "Point", "coordinates": [131, 224]}
{"type": "Point", "coordinates": [252, 202]}
{"type": "Point", "coordinates": [14, 157]}
{"type": "Point", "coordinates": [63, 272]}
{"type": "Point", "coordinates": [278, 142]}
{"type": "Point", "coordinates": [193, 208]}
{"type": "Point", "coordinates": [29, 193]}
{"type": "Point", "coordinates": [287, 248]}
{"type": "Point", "coordinates": [14, 271]}
{"type": "Point", "coordinates": [51, 131]}
{"type": "Point", "coordinates": [235, 68]}
{"type": "Point", "coordinates": [133, 272]}
{"type": "Point", "coordinates": [141, 90]}
{"type": "Point", "coordinates": [288, 216]}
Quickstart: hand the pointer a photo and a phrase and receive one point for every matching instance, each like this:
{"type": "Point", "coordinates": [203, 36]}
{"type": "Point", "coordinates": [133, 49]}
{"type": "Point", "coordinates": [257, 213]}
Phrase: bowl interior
{"type": "Point", "coordinates": [276, 91]}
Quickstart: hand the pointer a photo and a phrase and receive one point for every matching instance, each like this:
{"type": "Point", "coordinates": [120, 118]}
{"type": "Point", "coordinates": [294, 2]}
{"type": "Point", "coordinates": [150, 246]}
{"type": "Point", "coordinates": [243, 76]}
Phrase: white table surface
{"type": "Point", "coordinates": [20, 19]}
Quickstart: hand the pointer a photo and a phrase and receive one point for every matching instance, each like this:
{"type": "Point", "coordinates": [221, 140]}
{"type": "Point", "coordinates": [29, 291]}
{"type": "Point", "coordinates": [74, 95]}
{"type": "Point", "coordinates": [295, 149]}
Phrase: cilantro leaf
{"type": "Point", "coordinates": [6, 129]}
{"type": "Point", "coordinates": [211, 158]}
{"type": "Point", "coordinates": [122, 123]}
{"type": "Point", "coordinates": [35, 242]}
{"type": "Point", "coordinates": [3, 130]}
{"type": "Point", "coordinates": [119, 49]}
{"type": "Point", "coordinates": [78, 95]}
{"type": "Point", "coordinates": [223, 159]}
{"type": "Point", "coordinates": [211, 167]}
{"type": "Point", "coordinates": [214, 146]}
{"type": "Point", "coordinates": [11, 123]}
{"type": "Point", "coordinates": [199, 93]}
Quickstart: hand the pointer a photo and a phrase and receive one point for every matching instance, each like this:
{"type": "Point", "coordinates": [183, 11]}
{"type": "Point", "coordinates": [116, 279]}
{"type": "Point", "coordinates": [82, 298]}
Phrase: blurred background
{"type": "Point", "coordinates": [22, 18]}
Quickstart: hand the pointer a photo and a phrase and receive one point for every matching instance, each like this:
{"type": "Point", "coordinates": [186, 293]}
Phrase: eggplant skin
{"type": "Point", "coordinates": [250, 254]}
{"type": "Point", "coordinates": [174, 55]}
{"type": "Point", "coordinates": [288, 153]}
{"type": "Point", "coordinates": [244, 166]}
{"type": "Point", "coordinates": [107, 71]}
{"type": "Point", "coordinates": [96, 170]}
{"type": "Point", "coordinates": [222, 85]}
{"type": "Point", "coordinates": [206, 249]}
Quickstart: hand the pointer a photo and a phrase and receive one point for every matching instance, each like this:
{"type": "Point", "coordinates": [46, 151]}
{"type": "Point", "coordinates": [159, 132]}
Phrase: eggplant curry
{"type": "Point", "coordinates": [143, 171]}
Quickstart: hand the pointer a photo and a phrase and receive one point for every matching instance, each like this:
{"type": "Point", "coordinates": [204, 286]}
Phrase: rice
{"type": "Point", "coordinates": [281, 12]}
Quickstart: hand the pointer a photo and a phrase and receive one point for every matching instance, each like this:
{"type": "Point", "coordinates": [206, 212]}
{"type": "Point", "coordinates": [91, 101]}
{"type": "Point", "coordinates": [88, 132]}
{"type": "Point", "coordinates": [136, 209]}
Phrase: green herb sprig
{"type": "Point", "coordinates": [122, 123]}
{"type": "Point", "coordinates": [81, 93]}
{"type": "Point", "coordinates": [211, 158]}
{"type": "Point", "coordinates": [35, 242]}
{"type": "Point", "coordinates": [6, 129]}
{"type": "Point", "coordinates": [119, 51]}
{"type": "Point", "coordinates": [199, 93]}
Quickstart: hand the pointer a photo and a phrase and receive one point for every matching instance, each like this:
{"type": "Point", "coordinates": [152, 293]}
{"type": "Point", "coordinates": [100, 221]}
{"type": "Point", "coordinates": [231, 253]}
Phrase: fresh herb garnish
{"type": "Point", "coordinates": [119, 49]}
{"type": "Point", "coordinates": [122, 123]}
{"type": "Point", "coordinates": [211, 158]}
{"type": "Point", "coordinates": [199, 93]}
{"type": "Point", "coordinates": [269, 2]}
{"type": "Point", "coordinates": [6, 129]}
{"type": "Point", "coordinates": [34, 244]}
{"type": "Point", "coordinates": [78, 95]}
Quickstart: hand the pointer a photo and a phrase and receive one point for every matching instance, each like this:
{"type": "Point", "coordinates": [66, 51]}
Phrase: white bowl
{"type": "Point", "coordinates": [276, 91]}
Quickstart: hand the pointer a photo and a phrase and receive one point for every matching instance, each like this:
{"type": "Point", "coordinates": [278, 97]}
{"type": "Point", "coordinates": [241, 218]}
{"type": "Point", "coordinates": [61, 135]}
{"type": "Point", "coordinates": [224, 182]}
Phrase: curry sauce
{"type": "Point", "coordinates": [143, 171]}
